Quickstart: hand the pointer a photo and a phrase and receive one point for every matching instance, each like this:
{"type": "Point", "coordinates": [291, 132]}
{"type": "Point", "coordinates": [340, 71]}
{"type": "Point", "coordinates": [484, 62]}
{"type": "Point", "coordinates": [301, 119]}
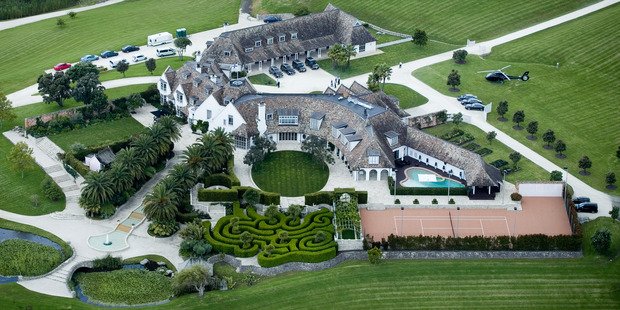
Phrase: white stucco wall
{"type": "Point", "coordinates": [540, 189]}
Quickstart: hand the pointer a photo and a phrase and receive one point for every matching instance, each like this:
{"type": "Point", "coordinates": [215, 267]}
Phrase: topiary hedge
{"type": "Point", "coordinates": [218, 179]}
{"type": "Point", "coordinates": [269, 198]}
{"type": "Point", "coordinates": [230, 169]}
{"type": "Point", "coordinates": [217, 195]}
{"type": "Point", "coordinates": [324, 197]}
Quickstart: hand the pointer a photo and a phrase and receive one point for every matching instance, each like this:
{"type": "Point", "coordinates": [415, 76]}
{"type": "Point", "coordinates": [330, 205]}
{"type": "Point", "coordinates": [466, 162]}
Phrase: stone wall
{"type": "Point", "coordinates": [45, 118]}
{"type": "Point", "coordinates": [424, 121]}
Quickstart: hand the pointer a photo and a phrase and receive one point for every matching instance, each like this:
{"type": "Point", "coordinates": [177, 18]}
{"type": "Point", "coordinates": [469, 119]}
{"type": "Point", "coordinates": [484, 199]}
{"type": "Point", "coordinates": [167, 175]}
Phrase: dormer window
{"type": "Point", "coordinates": [282, 38]}
{"type": "Point", "coordinates": [249, 49]}
{"type": "Point", "coordinates": [373, 160]}
{"type": "Point", "coordinates": [293, 35]}
{"type": "Point", "coordinates": [269, 41]}
{"type": "Point", "coordinates": [392, 137]}
{"type": "Point", "coordinates": [179, 96]}
{"type": "Point", "coordinates": [226, 53]}
{"type": "Point", "coordinates": [163, 85]}
{"type": "Point", "coordinates": [257, 43]}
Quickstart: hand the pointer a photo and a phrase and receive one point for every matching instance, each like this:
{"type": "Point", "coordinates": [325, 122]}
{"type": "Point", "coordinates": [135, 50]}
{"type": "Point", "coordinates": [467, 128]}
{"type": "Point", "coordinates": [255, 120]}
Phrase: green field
{"type": "Point", "coordinates": [578, 100]}
{"type": "Point", "coordinates": [139, 69]}
{"type": "Point", "coordinates": [529, 171]}
{"type": "Point", "coordinates": [30, 49]}
{"type": "Point", "coordinates": [98, 133]}
{"type": "Point", "coordinates": [453, 22]}
{"type": "Point", "coordinates": [261, 79]}
{"type": "Point", "coordinates": [408, 97]}
{"type": "Point", "coordinates": [124, 91]}
{"type": "Point", "coordinates": [290, 173]}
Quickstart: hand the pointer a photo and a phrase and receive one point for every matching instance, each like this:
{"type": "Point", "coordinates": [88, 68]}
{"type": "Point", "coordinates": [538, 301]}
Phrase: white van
{"type": "Point", "coordinates": [159, 39]}
{"type": "Point", "coordinates": [166, 51]}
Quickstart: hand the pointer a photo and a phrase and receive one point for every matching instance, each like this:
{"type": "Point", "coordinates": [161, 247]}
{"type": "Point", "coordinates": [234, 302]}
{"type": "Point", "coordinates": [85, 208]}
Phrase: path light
{"type": "Point", "coordinates": [402, 209]}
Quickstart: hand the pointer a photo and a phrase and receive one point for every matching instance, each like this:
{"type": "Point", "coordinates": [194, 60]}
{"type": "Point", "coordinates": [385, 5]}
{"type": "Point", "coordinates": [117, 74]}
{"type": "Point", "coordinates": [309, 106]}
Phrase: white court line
{"type": "Point", "coordinates": [482, 227]}
{"type": "Point", "coordinates": [422, 225]}
{"type": "Point", "coordinates": [508, 228]}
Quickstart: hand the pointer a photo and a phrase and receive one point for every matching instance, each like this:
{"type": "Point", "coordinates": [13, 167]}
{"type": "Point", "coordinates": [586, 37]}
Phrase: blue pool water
{"type": "Point", "coordinates": [414, 179]}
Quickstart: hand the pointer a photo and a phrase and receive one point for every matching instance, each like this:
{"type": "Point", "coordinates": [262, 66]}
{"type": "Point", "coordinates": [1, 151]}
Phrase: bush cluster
{"type": "Point", "coordinates": [426, 191]}
{"type": "Point", "coordinates": [51, 190]}
{"type": "Point", "coordinates": [325, 197]}
{"type": "Point", "coordinates": [107, 263]}
{"type": "Point", "coordinates": [82, 117]}
{"type": "Point", "coordinates": [236, 194]}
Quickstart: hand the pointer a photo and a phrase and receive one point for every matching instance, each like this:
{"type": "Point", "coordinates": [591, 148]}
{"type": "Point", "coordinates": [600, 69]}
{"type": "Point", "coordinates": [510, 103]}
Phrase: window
{"type": "Point", "coordinates": [314, 124]}
{"type": "Point", "coordinates": [249, 49]}
{"type": "Point", "coordinates": [257, 43]}
{"type": "Point", "coordinates": [373, 160]}
{"type": "Point", "coordinates": [179, 96]}
{"type": "Point", "coordinates": [362, 48]}
{"type": "Point", "coordinates": [208, 114]}
{"type": "Point", "coordinates": [163, 85]}
{"type": "Point", "coordinates": [282, 38]}
{"type": "Point", "coordinates": [269, 41]}
{"type": "Point", "coordinates": [226, 53]}
{"type": "Point", "coordinates": [230, 120]}
{"type": "Point", "coordinates": [287, 136]}
{"type": "Point", "coordinates": [294, 35]}
{"type": "Point", "coordinates": [288, 120]}
{"type": "Point", "coordinates": [269, 116]}
{"type": "Point", "coordinates": [240, 142]}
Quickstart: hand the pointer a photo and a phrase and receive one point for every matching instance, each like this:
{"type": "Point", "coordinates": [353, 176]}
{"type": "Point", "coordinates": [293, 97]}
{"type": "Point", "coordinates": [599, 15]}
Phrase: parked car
{"type": "Point", "coordinates": [275, 72]}
{"type": "Point", "coordinates": [166, 51]}
{"type": "Point", "coordinates": [578, 200]}
{"type": "Point", "coordinates": [272, 19]}
{"type": "Point", "coordinates": [299, 66]}
{"type": "Point", "coordinates": [62, 66]}
{"type": "Point", "coordinates": [129, 48]}
{"type": "Point", "coordinates": [470, 100]}
{"type": "Point", "coordinates": [587, 207]}
{"type": "Point", "coordinates": [138, 58]}
{"type": "Point", "coordinates": [108, 54]}
{"type": "Point", "coordinates": [89, 58]}
{"type": "Point", "coordinates": [466, 96]}
{"type": "Point", "coordinates": [113, 63]}
{"type": "Point", "coordinates": [287, 69]}
{"type": "Point", "coordinates": [474, 106]}
{"type": "Point", "coordinates": [310, 62]}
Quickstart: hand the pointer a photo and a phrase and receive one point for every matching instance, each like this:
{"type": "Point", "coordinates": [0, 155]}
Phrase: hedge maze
{"type": "Point", "coordinates": [282, 241]}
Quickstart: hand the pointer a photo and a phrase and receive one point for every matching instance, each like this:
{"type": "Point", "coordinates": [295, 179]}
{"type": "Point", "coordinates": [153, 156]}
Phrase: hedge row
{"type": "Point", "coordinates": [115, 145]}
{"type": "Point", "coordinates": [538, 242]}
{"type": "Point", "coordinates": [301, 256]}
{"type": "Point", "coordinates": [230, 168]}
{"type": "Point", "coordinates": [426, 191]}
{"type": "Point", "coordinates": [235, 194]}
{"type": "Point", "coordinates": [218, 179]}
{"type": "Point", "coordinates": [76, 164]}
{"type": "Point", "coordinates": [325, 197]}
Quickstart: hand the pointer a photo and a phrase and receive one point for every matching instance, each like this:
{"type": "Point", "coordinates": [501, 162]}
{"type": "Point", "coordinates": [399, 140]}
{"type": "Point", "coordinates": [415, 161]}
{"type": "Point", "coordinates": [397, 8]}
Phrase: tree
{"type": "Point", "coordinates": [130, 159]}
{"type": "Point", "coordinates": [283, 236]}
{"type": "Point", "coordinates": [441, 116]}
{"type": "Point", "coordinates": [194, 157]}
{"type": "Point", "coordinates": [158, 206]}
{"type": "Point", "coordinates": [556, 176]}
{"type": "Point", "coordinates": [459, 56]}
{"type": "Point", "coordinates": [601, 240]}
{"type": "Point", "coordinates": [373, 82]}
{"type": "Point", "coordinates": [80, 70]}
{"type": "Point", "coordinates": [454, 80]}
{"type": "Point", "coordinates": [317, 147]}
{"type": "Point", "coordinates": [336, 54]}
{"type": "Point", "coordinates": [615, 212]}
{"type": "Point", "coordinates": [151, 65]}
{"type": "Point", "coordinates": [585, 163]}
{"type": "Point", "coordinates": [183, 176]}
{"type": "Point", "coordinates": [491, 136]}
{"type": "Point", "coordinates": [502, 109]}
{"type": "Point", "coordinates": [135, 101]}
{"type": "Point", "coordinates": [272, 214]}
{"type": "Point", "coordinates": [301, 10]}
{"type": "Point", "coordinates": [420, 38]}
{"type": "Point", "coordinates": [251, 197]}
{"type": "Point", "coordinates": [548, 137]}
{"type": "Point", "coordinates": [120, 178]}
{"type": "Point", "coordinates": [55, 88]}
{"type": "Point", "coordinates": [197, 277]}
{"type": "Point", "coordinates": [181, 44]}
{"type": "Point", "coordinates": [348, 51]}
{"type": "Point", "coordinates": [560, 147]}
{"type": "Point", "coordinates": [610, 179]}
{"type": "Point", "coordinates": [515, 157]}
{"type": "Point", "coordinates": [20, 158]}
{"type": "Point", "coordinates": [98, 188]}
{"type": "Point", "coordinates": [382, 72]}
{"type": "Point", "coordinates": [247, 238]}
{"type": "Point", "coordinates": [86, 88]}
{"type": "Point", "coordinates": [457, 119]}
{"type": "Point", "coordinates": [532, 129]}
{"type": "Point", "coordinates": [320, 236]}
{"type": "Point", "coordinates": [294, 212]}
{"type": "Point", "coordinates": [60, 22]}
{"type": "Point", "coordinates": [374, 255]}
{"type": "Point", "coordinates": [72, 14]}
{"type": "Point", "coordinates": [518, 118]}
{"type": "Point", "coordinates": [122, 67]}
{"type": "Point", "coordinates": [6, 110]}
{"type": "Point", "coordinates": [144, 145]}
{"type": "Point", "coordinates": [257, 152]}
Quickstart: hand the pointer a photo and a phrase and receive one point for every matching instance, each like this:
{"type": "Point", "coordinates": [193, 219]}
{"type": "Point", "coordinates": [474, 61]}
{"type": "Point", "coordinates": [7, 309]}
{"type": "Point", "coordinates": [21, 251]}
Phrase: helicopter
{"type": "Point", "coordinates": [500, 76]}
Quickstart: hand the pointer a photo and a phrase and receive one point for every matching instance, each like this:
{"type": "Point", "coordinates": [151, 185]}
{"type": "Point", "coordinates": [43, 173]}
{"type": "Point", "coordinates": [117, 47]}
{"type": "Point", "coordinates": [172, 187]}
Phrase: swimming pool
{"type": "Point", "coordinates": [418, 177]}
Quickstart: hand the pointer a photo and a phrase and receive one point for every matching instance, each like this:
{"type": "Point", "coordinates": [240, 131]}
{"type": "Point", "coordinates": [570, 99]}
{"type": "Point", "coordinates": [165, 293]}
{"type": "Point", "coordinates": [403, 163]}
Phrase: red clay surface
{"type": "Point", "coordinates": [540, 215]}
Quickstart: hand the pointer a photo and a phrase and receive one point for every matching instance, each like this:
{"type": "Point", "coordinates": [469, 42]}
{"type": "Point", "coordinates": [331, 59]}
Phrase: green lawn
{"type": "Point", "coordinates": [30, 49]}
{"type": "Point", "coordinates": [139, 69]}
{"type": "Point", "coordinates": [126, 286]}
{"type": "Point", "coordinates": [591, 227]}
{"type": "Point", "coordinates": [290, 173]}
{"type": "Point", "coordinates": [391, 55]}
{"type": "Point", "coordinates": [408, 97]}
{"type": "Point", "coordinates": [27, 258]}
{"type": "Point", "coordinates": [383, 37]}
{"type": "Point", "coordinates": [118, 92]}
{"type": "Point", "coordinates": [262, 79]}
{"type": "Point", "coordinates": [99, 133]}
{"type": "Point", "coordinates": [153, 257]}
{"type": "Point", "coordinates": [578, 101]}
{"type": "Point", "coordinates": [529, 170]}
{"type": "Point", "coordinates": [453, 21]}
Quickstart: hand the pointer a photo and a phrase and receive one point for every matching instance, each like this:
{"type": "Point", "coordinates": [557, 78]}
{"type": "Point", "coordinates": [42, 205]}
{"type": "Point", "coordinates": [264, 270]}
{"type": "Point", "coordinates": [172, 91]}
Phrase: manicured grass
{"type": "Point", "coordinates": [139, 69]}
{"type": "Point", "coordinates": [290, 173]}
{"type": "Point", "coordinates": [591, 227]}
{"type": "Point", "coordinates": [391, 55]}
{"type": "Point", "coordinates": [408, 97]}
{"type": "Point", "coordinates": [98, 133]}
{"type": "Point", "coordinates": [30, 49]}
{"type": "Point", "coordinates": [262, 79]}
{"type": "Point", "coordinates": [153, 257]}
{"type": "Point", "coordinates": [235, 279]}
{"type": "Point", "coordinates": [475, 284]}
{"type": "Point", "coordinates": [6, 224]}
{"type": "Point", "coordinates": [118, 92]}
{"type": "Point", "coordinates": [529, 171]}
{"type": "Point", "coordinates": [453, 22]}
{"type": "Point", "coordinates": [27, 258]}
{"type": "Point", "coordinates": [578, 101]}
{"type": "Point", "coordinates": [129, 286]}
{"type": "Point", "coordinates": [383, 37]}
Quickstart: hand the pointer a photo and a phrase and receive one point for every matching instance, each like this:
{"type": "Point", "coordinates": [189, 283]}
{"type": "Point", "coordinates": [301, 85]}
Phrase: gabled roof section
{"type": "Point", "coordinates": [317, 115]}
{"type": "Point", "coordinates": [106, 156]}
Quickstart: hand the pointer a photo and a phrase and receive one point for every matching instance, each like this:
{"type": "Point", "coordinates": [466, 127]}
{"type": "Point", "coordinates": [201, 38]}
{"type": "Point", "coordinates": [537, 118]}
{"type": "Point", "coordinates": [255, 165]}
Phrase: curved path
{"type": "Point", "coordinates": [12, 23]}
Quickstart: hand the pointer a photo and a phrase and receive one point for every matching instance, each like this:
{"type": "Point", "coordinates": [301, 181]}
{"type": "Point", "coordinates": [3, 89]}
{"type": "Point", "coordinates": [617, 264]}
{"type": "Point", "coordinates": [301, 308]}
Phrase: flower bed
{"type": "Point", "coordinates": [484, 152]}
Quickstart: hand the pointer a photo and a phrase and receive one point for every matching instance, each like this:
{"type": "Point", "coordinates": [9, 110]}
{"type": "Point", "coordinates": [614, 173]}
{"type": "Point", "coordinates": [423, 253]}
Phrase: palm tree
{"type": "Point", "coordinates": [120, 177]}
{"type": "Point", "coordinates": [146, 148]}
{"type": "Point", "coordinates": [383, 73]}
{"type": "Point", "coordinates": [183, 175]}
{"type": "Point", "coordinates": [171, 126]}
{"type": "Point", "coordinates": [214, 151]}
{"type": "Point", "coordinates": [158, 205]}
{"type": "Point", "coordinates": [226, 140]}
{"type": "Point", "coordinates": [348, 51]}
{"type": "Point", "coordinates": [162, 138]}
{"type": "Point", "coordinates": [195, 158]}
{"type": "Point", "coordinates": [131, 160]}
{"type": "Point", "coordinates": [98, 189]}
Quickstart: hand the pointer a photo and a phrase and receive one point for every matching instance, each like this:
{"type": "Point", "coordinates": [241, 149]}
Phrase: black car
{"type": "Point", "coordinates": [310, 62]}
{"type": "Point", "coordinates": [470, 101]}
{"type": "Point", "coordinates": [578, 200]}
{"type": "Point", "coordinates": [466, 96]}
{"type": "Point", "coordinates": [474, 106]}
{"type": "Point", "coordinates": [587, 207]}
{"type": "Point", "coordinates": [299, 66]}
{"type": "Point", "coordinates": [275, 72]}
{"type": "Point", "coordinates": [287, 69]}
{"type": "Point", "coordinates": [272, 19]}
{"type": "Point", "coordinates": [108, 54]}
{"type": "Point", "coordinates": [129, 48]}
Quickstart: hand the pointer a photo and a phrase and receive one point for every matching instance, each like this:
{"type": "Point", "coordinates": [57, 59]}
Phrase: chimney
{"type": "Point", "coordinates": [261, 121]}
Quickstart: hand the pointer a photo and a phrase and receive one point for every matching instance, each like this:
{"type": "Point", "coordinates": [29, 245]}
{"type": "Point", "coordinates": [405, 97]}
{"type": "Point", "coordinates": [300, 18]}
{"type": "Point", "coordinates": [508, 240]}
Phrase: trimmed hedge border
{"type": "Point", "coordinates": [236, 194]}
{"type": "Point", "coordinates": [426, 191]}
{"type": "Point", "coordinates": [325, 197]}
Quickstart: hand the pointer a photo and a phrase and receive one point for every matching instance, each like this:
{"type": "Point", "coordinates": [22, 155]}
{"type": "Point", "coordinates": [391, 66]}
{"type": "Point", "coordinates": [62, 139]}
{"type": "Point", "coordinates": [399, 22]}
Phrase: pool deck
{"type": "Point", "coordinates": [443, 179]}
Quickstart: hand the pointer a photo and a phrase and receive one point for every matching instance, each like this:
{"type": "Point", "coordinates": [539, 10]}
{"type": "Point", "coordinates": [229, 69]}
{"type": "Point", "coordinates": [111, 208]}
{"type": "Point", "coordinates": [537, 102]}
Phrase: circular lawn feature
{"type": "Point", "coordinates": [290, 173]}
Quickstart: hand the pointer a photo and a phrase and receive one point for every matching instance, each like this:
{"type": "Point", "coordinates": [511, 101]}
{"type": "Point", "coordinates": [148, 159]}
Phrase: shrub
{"type": "Point", "coordinates": [516, 197]}
{"type": "Point", "coordinates": [77, 165]}
{"type": "Point", "coordinates": [435, 201]}
{"type": "Point", "coordinates": [319, 198]}
{"type": "Point", "coordinates": [397, 201]}
{"type": "Point", "coordinates": [374, 256]}
{"type": "Point", "coordinates": [601, 240]}
{"type": "Point", "coordinates": [499, 163]}
{"type": "Point", "coordinates": [218, 179]}
{"type": "Point", "coordinates": [269, 198]}
{"type": "Point", "coordinates": [191, 248]}
{"type": "Point", "coordinates": [35, 201]}
{"type": "Point", "coordinates": [362, 197]}
{"type": "Point", "coordinates": [217, 195]}
{"type": "Point", "coordinates": [416, 202]}
{"type": "Point", "coordinates": [107, 263]}
{"type": "Point", "coordinates": [51, 190]}
{"type": "Point", "coordinates": [484, 152]}
{"type": "Point", "coordinates": [614, 212]}
{"type": "Point", "coordinates": [538, 242]}
{"type": "Point", "coordinates": [160, 229]}
{"type": "Point", "coordinates": [451, 201]}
